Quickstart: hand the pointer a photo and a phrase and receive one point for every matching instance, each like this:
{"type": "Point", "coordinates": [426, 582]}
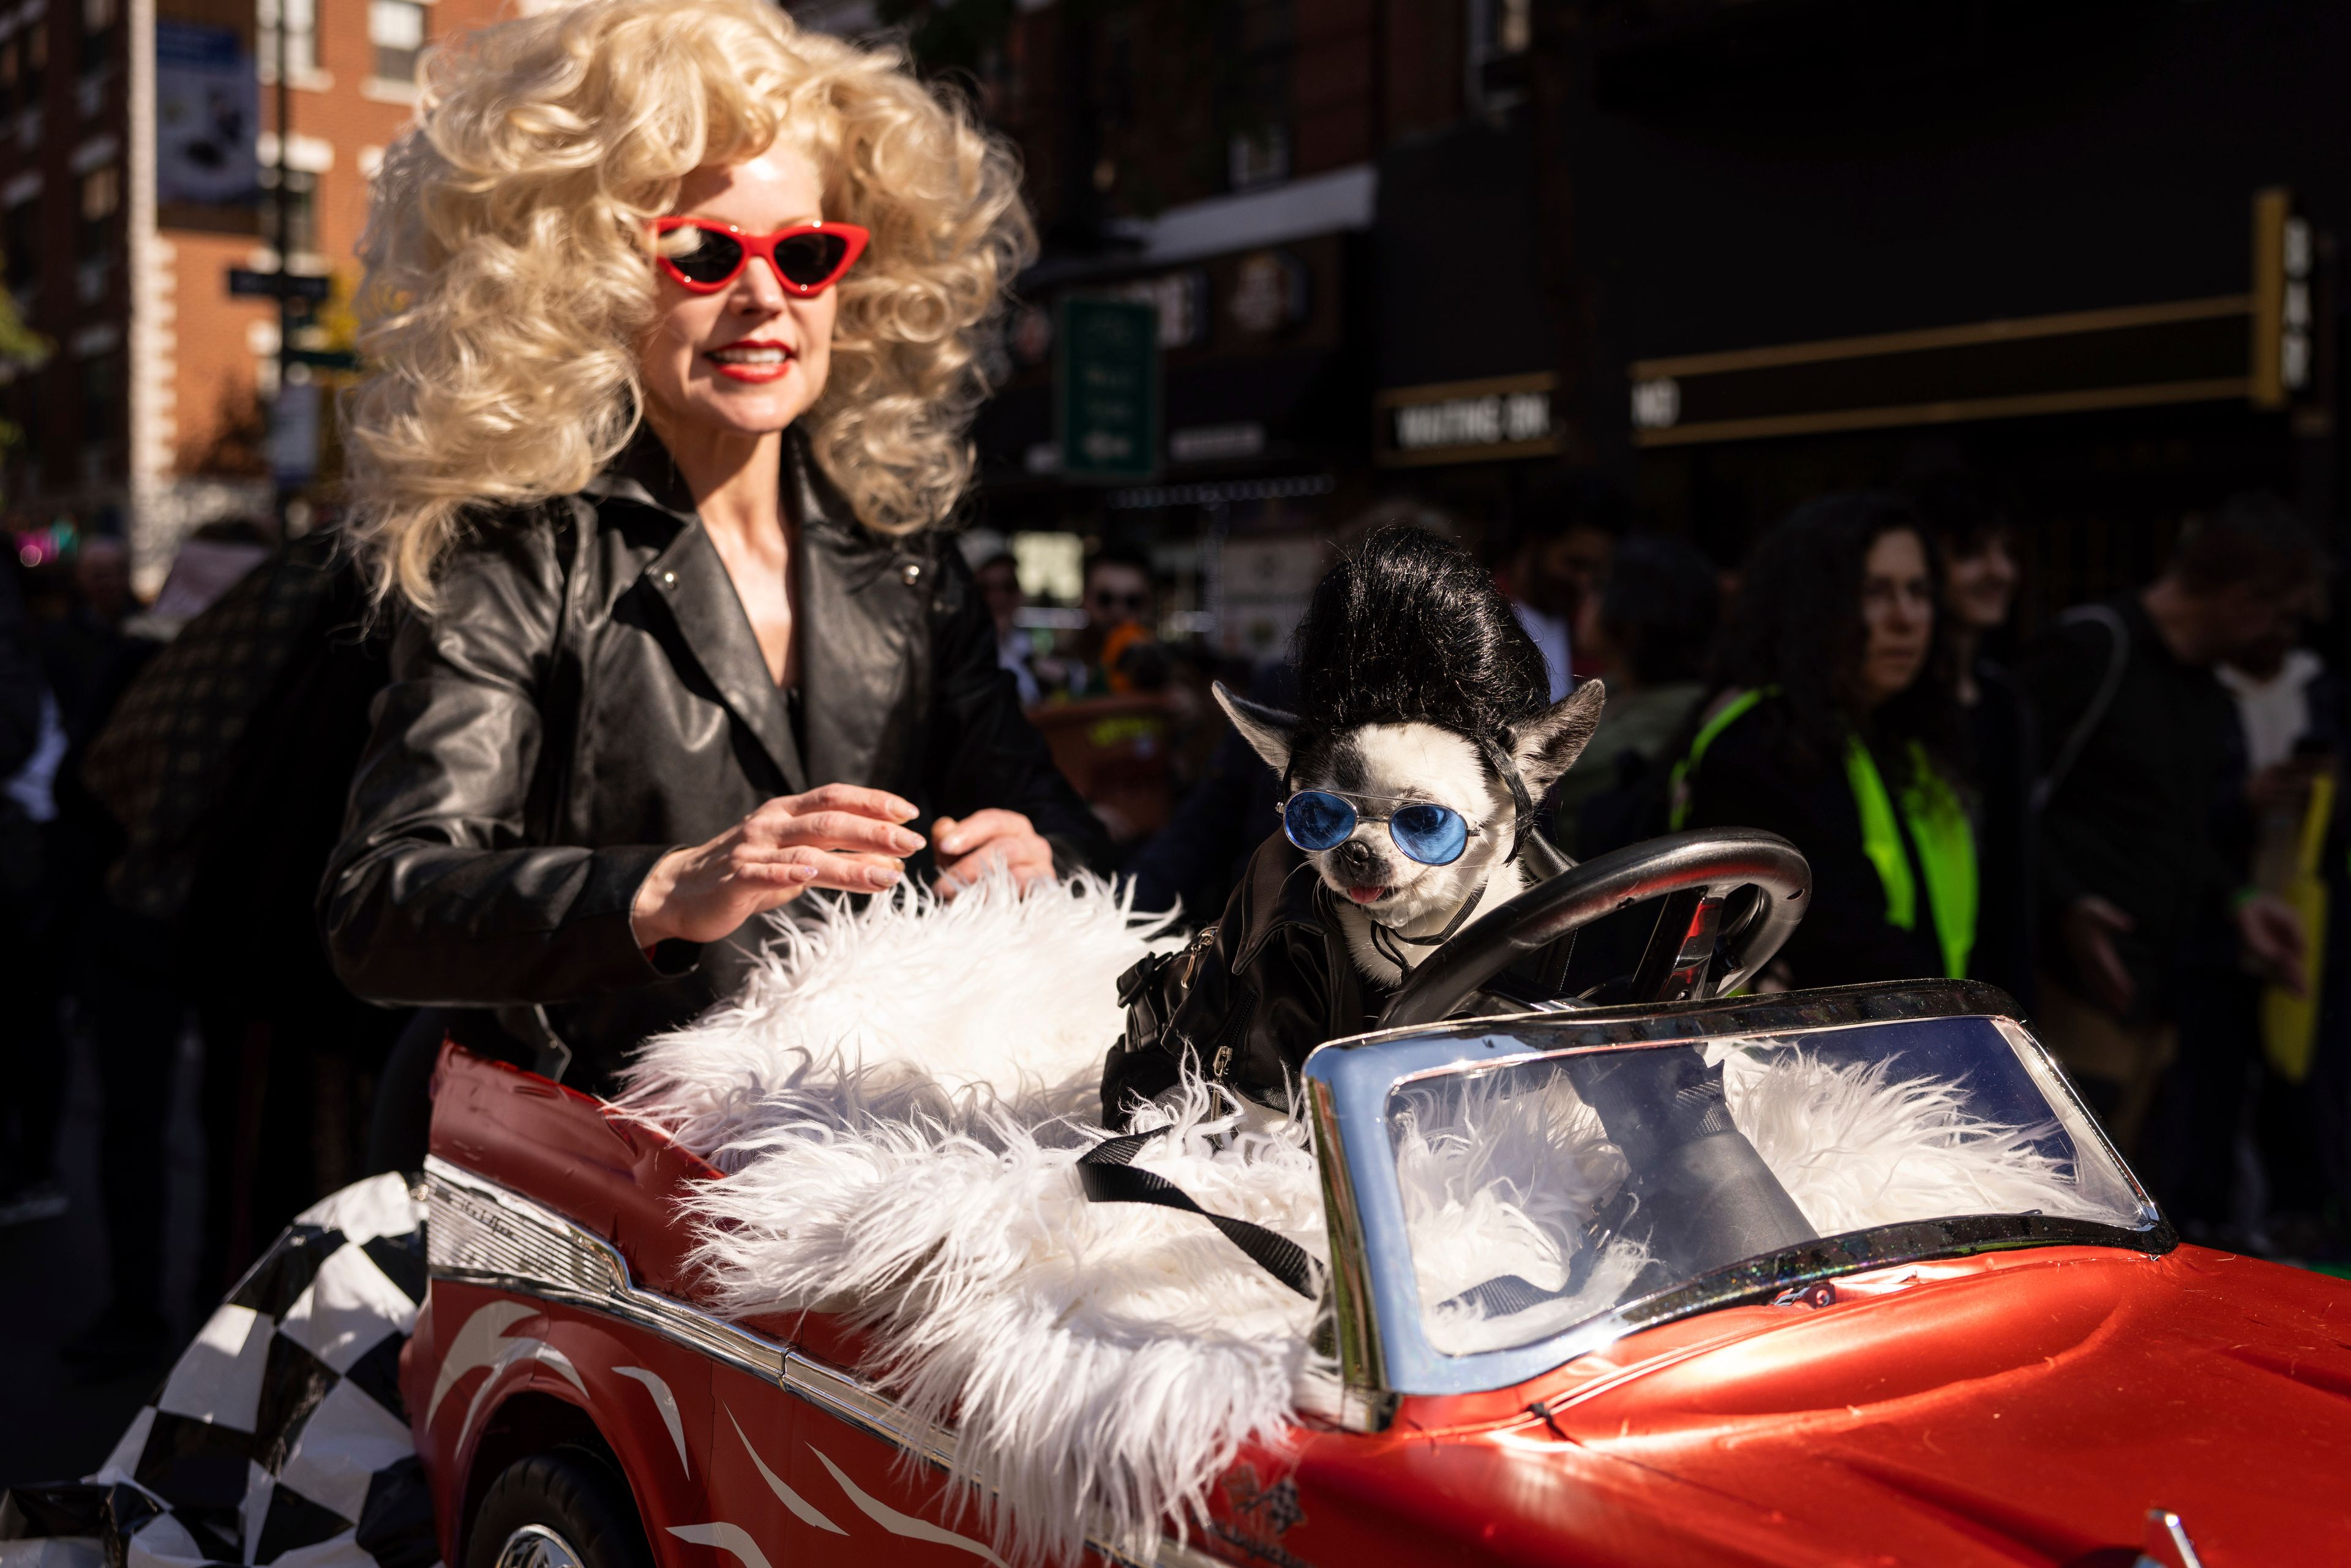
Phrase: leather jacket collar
{"type": "Point", "coordinates": [848, 579]}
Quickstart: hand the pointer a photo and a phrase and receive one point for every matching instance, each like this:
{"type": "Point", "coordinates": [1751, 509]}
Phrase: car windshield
{"type": "Point", "coordinates": [1543, 1188]}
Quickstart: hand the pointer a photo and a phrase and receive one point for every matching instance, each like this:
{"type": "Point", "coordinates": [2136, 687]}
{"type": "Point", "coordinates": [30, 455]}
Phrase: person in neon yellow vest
{"type": "Point", "coordinates": [1831, 723]}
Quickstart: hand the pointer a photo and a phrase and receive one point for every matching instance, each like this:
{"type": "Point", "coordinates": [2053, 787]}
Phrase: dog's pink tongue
{"type": "Point", "coordinates": [1367, 894]}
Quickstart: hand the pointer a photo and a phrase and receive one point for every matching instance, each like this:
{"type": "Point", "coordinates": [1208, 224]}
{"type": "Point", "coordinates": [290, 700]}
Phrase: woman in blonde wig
{"type": "Point", "coordinates": [673, 317]}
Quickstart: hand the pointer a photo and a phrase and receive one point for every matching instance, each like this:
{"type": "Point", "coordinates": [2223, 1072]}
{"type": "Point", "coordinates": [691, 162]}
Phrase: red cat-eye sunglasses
{"type": "Point", "coordinates": [808, 259]}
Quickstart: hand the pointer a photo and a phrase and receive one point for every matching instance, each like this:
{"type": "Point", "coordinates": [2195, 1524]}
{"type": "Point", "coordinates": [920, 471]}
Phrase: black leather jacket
{"type": "Point", "coordinates": [1252, 995]}
{"type": "Point", "coordinates": [590, 696]}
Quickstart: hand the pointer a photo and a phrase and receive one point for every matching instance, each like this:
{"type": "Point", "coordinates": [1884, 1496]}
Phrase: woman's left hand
{"type": "Point", "coordinates": [968, 849]}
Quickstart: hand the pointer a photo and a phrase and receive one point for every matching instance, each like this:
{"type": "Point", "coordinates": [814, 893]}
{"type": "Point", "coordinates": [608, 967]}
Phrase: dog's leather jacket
{"type": "Point", "coordinates": [1249, 999]}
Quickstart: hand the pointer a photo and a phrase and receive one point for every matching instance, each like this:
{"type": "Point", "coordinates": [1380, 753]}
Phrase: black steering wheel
{"type": "Point", "coordinates": [1698, 1197]}
{"type": "Point", "coordinates": [1695, 874]}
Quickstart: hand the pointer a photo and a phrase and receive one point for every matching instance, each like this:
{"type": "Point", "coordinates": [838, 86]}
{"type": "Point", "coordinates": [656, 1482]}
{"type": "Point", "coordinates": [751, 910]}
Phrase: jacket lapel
{"type": "Point", "coordinates": [704, 610]}
{"type": "Point", "coordinates": [860, 600]}
{"type": "Point", "coordinates": [690, 578]}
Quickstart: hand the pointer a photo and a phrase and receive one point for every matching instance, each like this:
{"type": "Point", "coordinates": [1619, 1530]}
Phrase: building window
{"type": "Point", "coordinates": [301, 36]}
{"type": "Point", "coordinates": [1256, 93]}
{"type": "Point", "coordinates": [23, 250]}
{"type": "Point", "coordinates": [102, 405]}
{"type": "Point", "coordinates": [25, 404]}
{"type": "Point", "coordinates": [100, 22]}
{"type": "Point", "coordinates": [301, 236]}
{"type": "Point", "coordinates": [396, 28]}
{"type": "Point", "coordinates": [101, 198]}
{"type": "Point", "coordinates": [24, 75]}
{"type": "Point", "coordinates": [1500, 32]}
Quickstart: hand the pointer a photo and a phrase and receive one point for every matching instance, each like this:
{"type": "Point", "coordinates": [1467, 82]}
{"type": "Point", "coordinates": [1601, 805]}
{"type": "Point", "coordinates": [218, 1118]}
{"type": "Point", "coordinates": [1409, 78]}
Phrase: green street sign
{"type": "Point", "coordinates": [1106, 388]}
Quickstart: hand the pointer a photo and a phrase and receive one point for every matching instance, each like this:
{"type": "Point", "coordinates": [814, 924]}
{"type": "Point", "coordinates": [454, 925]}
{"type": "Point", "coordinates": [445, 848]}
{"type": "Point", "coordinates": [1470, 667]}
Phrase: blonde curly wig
{"type": "Point", "coordinates": [508, 275]}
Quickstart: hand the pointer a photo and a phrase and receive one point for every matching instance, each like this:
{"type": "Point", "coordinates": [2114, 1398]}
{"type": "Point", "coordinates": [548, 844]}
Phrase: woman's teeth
{"type": "Point", "coordinates": [752, 354]}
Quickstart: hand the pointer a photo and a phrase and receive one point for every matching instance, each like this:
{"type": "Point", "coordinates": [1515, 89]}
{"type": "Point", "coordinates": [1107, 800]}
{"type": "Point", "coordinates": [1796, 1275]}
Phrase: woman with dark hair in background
{"type": "Point", "coordinates": [1976, 536]}
{"type": "Point", "coordinates": [1833, 726]}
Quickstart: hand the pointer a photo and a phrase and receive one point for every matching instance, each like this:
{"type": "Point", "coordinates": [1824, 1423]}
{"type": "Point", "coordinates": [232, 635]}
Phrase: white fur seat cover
{"type": "Point", "coordinates": [900, 1097]}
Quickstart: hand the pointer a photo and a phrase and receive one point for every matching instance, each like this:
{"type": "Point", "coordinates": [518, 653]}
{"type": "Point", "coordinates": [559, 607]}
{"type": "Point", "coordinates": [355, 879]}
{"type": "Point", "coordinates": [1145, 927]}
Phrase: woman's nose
{"type": "Point", "coordinates": [759, 289]}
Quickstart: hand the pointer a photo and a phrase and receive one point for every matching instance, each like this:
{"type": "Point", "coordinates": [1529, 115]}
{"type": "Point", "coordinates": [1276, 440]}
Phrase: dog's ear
{"type": "Point", "coordinates": [1270, 731]}
{"type": "Point", "coordinates": [1547, 746]}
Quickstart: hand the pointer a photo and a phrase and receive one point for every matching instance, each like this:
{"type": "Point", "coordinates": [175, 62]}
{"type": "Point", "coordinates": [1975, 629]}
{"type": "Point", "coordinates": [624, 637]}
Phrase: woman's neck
{"type": "Point", "coordinates": [738, 483]}
{"type": "Point", "coordinates": [735, 479]}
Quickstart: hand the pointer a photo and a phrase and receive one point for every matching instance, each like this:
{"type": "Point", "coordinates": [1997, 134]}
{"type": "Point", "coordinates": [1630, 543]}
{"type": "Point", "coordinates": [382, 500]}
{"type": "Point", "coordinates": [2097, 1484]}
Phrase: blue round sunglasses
{"type": "Point", "coordinates": [1424, 831]}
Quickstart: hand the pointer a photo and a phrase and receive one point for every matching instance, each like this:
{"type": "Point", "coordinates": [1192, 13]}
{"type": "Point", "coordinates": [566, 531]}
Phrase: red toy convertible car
{"type": "Point", "coordinates": [1677, 1351]}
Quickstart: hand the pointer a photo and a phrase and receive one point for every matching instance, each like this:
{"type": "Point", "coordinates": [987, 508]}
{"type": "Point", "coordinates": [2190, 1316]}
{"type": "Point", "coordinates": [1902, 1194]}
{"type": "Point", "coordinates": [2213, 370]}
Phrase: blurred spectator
{"type": "Point", "coordinates": [2233, 1142]}
{"type": "Point", "coordinates": [1559, 547]}
{"type": "Point", "coordinates": [2139, 729]}
{"type": "Point", "coordinates": [223, 771]}
{"type": "Point", "coordinates": [1977, 538]}
{"type": "Point", "coordinates": [31, 1053]}
{"type": "Point", "coordinates": [1830, 726]}
{"type": "Point", "coordinates": [1648, 634]}
{"type": "Point", "coordinates": [126, 978]}
{"type": "Point", "coordinates": [1116, 653]}
{"type": "Point", "coordinates": [78, 646]}
{"type": "Point", "coordinates": [991, 560]}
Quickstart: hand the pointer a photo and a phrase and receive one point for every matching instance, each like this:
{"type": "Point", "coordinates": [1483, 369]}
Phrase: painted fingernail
{"type": "Point", "coordinates": [952, 845]}
{"type": "Point", "coordinates": [883, 876]}
{"type": "Point", "coordinates": [906, 843]}
{"type": "Point", "coordinates": [801, 871]}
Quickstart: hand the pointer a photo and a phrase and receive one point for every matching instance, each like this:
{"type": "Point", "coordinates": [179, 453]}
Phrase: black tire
{"type": "Point", "coordinates": [572, 1495]}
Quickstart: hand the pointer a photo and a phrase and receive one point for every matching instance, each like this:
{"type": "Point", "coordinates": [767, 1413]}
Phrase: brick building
{"type": "Point", "coordinates": [138, 147]}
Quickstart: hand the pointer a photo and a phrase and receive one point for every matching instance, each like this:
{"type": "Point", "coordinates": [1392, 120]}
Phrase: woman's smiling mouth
{"type": "Point", "coordinates": [749, 361]}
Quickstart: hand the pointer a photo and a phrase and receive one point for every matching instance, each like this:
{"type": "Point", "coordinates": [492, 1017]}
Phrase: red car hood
{"type": "Point", "coordinates": [2028, 1407]}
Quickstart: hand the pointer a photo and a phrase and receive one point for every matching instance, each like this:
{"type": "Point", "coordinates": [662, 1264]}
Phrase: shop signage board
{"type": "Point", "coordinates": [2254, 347]}
{"type": "Point", "coordinates": [1106, 388]}
{"type": "Point", "coordinates": [1498, 418]}
{"type": "Point", "coordinates": [207, 109]}
{"type": "Point", "coordinates": [243, 283]}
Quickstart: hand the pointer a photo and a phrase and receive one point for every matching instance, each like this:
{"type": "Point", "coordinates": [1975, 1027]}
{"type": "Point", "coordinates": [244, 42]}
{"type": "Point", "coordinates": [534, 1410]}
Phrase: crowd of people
{"type": "Point", "coordinates": [2109, 821]}
{"type": "Point", "coordinates": [518, 751]}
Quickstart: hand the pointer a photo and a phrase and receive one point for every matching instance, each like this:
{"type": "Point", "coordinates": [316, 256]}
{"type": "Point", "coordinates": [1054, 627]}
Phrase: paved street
{"type": "Point", "coordinates": [52, 1425]}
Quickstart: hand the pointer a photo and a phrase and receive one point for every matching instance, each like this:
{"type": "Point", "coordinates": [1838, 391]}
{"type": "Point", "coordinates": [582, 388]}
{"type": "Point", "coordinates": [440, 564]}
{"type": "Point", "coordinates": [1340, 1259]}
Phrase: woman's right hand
{"type": "Point", "coordinates": [841, 836]}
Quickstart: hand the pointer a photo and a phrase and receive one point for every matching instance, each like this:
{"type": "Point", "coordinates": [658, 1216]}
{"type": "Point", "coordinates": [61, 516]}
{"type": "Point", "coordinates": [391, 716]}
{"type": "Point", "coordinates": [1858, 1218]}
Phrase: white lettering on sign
{"type": "Point", "coordinates": [1496, 420]}
{"type": "Point", "coordinates": [1656, 404]}
{"type": "Point", "coordinates": [2294, 326]}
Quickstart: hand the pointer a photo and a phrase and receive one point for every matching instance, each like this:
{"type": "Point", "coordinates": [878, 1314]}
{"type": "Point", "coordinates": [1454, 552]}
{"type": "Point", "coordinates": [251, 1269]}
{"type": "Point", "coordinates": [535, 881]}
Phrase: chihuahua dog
{"type": "Point", "coordinates": [1424, 736]}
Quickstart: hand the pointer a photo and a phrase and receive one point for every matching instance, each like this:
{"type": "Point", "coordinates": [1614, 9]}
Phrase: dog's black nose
{"type": "Point", "coordinates": [1354, 859]}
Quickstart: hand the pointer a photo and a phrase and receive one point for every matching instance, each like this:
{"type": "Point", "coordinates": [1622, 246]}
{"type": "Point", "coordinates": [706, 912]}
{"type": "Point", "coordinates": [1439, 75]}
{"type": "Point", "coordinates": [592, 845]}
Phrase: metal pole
{"type": "Point", "coordinates": [285, 213]}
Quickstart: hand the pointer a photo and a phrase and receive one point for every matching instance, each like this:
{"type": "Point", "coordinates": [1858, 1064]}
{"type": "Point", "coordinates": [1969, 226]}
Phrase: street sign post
{"type": "Point", "coordinates": [246, 284]}
{"type": "Point", "coordinates": [1107, 389]}
{"type": "Point", "coordinates": [294, 434]}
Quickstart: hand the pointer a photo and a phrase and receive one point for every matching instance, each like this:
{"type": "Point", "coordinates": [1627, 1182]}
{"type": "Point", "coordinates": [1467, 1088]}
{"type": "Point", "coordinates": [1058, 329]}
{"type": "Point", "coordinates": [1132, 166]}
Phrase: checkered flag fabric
{"type": "Point", "coordinates": [279, 1435]}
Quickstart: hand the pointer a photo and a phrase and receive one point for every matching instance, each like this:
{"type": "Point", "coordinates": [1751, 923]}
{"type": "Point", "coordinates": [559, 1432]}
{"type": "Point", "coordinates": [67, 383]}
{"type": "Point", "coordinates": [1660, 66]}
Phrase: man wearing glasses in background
{"type": "Point", "coordinates": [1117, 652]}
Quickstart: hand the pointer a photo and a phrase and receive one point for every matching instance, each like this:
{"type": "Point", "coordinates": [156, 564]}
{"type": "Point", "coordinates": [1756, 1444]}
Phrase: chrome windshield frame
{"type": "Point", "coordinates": [1385, 1352]}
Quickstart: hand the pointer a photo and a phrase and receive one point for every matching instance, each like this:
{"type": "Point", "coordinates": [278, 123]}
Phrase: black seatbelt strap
{"type": "Point", "coordinates": [1107, 1177]}
{"type": "Point", "coordinates": [1508, 771]}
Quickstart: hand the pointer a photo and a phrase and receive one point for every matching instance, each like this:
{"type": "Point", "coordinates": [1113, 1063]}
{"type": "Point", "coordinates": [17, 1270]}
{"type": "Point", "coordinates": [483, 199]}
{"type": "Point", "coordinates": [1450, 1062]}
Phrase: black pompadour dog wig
{"type": "Point", "coordinates": [1410, 628]}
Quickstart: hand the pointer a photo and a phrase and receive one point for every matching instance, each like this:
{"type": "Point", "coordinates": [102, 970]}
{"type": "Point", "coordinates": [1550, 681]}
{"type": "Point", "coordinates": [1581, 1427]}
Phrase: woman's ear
{"type": "Point", "coordinates": [1270, 731]}
{"type": "Point", "coordinates": [1546, 747]}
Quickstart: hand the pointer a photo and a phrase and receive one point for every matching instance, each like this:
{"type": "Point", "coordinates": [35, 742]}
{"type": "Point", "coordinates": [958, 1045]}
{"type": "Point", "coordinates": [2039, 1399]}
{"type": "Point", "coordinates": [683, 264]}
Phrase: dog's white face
{"type": "Point", "coordinates": [1380, 767]}
{"type": "Point", "coordinates": [1379, 770]}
